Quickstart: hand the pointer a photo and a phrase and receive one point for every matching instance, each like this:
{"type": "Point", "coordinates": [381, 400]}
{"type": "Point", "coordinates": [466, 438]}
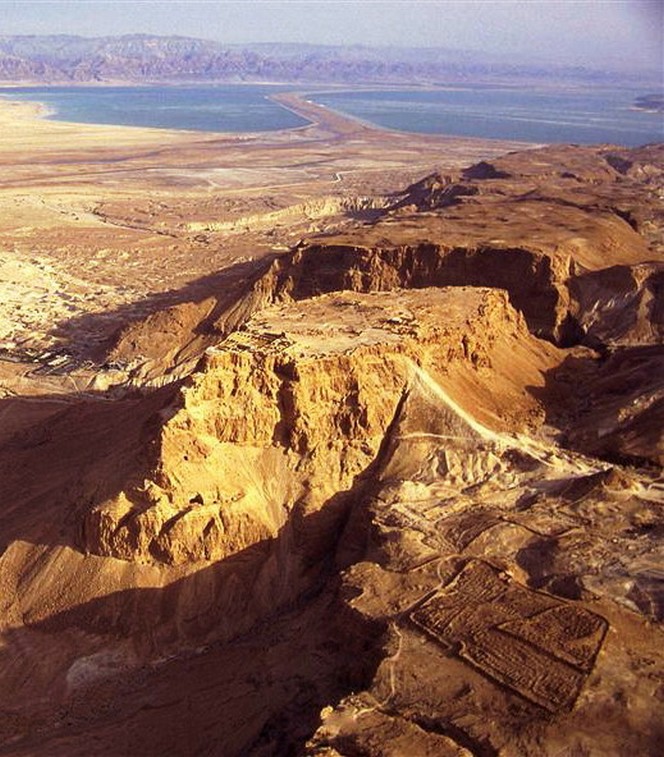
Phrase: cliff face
{"type": "Point", "coordinates": [572, 239]}
{"type": "Point", "coordinates": [284, 414]}
{"type": "Point", "coordinates": [403, 484]}
{"type": "Point", "coordinates": [183, 517]}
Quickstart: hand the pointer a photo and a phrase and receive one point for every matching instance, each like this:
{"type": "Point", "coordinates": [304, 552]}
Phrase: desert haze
{"type": "Point", "coordinates": [329, 441]}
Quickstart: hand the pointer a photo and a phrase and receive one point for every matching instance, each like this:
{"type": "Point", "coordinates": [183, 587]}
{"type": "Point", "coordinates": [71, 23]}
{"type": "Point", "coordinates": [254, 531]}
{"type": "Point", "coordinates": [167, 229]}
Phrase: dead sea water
{"type": "Point", "coordinates": [242, 108]}
{"type": "Point", "coordinates": [588, 116]}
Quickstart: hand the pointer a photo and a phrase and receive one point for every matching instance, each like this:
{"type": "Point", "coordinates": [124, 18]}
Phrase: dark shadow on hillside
{"type": "Point", "coordinates": [609, 406]}
{"type": "Point", "coordinates": [68, 453]}
{"type": "Point", "coordinates": [259, 694]}
{"type": "Point", "coordinates": [364, 215]}
{"type": "Point", "coordinates": [180, 693]}
{"type": "Point", "coordinates": [91, 335]}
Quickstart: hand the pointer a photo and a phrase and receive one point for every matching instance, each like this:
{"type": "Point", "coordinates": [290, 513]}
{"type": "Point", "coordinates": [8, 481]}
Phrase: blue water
{"type": "Point", "coordinates": [581, 117]}
{"type": "Point", "coordinates": [241, 108]}
{"type": "Point", "coordinates": [588, 117]}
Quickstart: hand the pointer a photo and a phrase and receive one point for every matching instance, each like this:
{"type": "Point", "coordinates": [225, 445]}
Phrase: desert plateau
{"type": "Point", "coordinates": [333, 441]}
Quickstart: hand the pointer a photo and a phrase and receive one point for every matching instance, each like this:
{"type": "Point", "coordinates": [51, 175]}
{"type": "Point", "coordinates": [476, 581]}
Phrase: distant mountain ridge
{"type": "Point", "coordinates": [146, 58]}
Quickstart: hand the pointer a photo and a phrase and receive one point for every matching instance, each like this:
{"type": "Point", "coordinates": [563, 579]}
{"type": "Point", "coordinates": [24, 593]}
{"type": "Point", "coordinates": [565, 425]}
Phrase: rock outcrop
{"type": "Point", "coordinates": [402, 485]}
{"type": "Point", "coordinates": [291, 410]}
{"type": "Point", "coordinates": [558, 242]}
{"type": "Point", "coordinates": [511, 584]}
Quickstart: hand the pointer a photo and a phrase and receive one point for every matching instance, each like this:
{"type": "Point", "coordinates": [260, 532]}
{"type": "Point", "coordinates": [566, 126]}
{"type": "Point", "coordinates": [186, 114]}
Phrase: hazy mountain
{"type": "Point", "coordinates": [137, 58]}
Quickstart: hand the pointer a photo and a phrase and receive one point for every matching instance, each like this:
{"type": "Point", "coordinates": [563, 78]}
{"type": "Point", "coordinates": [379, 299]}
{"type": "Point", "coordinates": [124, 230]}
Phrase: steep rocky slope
{"type": "Point", "coordinates": [576, 242]}
{"type": "Point", "coordinates": [399, 493]}
{"type": "Point", "coordinates": [520, 594]}
{"type": "Point", "coordinates": [289, 411]}
{"type": "Point", "coordinates": [572, 234]}
{"type": "Point", "coordinates": [226, 492]}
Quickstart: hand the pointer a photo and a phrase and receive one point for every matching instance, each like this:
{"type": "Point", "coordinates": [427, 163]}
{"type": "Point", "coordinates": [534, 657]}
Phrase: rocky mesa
{"type": "Point", "coordinates": [398, 492]}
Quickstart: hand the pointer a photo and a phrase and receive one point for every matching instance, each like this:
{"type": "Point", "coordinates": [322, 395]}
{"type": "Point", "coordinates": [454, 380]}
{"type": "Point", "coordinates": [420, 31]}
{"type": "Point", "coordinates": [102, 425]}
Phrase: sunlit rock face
{"type": "Point", "coordinates": [398, 489]}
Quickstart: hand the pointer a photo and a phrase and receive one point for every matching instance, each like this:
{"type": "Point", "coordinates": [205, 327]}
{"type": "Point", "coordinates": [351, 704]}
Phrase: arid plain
{"type": "Point", "coordinates": [100, 217]}
{"type": "Point", "coordinates": [334, 441]}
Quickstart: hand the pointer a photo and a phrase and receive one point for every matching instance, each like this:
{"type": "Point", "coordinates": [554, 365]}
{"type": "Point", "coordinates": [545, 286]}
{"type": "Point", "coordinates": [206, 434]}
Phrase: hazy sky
{"type": "Point", "coordinates": [591, 32]}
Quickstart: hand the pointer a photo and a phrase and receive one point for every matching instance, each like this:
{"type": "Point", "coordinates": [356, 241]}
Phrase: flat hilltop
{"type": "Point", "coordinates": [122, 214]}
{"type": "Point", "coordinates": [329, 441]}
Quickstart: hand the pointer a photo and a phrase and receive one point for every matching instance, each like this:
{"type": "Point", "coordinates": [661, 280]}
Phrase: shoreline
{"type": "Point", "coordinates": [320, 117]}
{"type": "Point", "coordinates": [316, 116]}
{"type": "Point", "coordinates": [35, 108]}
